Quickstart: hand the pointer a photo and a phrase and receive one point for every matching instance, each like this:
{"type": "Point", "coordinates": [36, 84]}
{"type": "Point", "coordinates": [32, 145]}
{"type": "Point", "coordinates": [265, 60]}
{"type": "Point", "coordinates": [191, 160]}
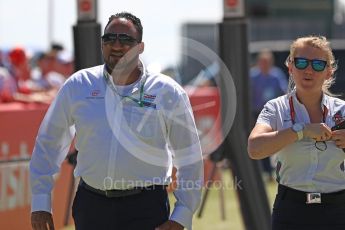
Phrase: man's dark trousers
{"type": "Point", "coordinates": [144, 211]}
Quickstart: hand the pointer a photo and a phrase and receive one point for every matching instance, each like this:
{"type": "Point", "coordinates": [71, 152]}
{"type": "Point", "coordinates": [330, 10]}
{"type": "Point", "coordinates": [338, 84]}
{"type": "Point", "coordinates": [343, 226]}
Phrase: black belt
{"type": "Point", "coordinates": [311, 197]}
{"type": "Point", "coordinates": [119, 193]}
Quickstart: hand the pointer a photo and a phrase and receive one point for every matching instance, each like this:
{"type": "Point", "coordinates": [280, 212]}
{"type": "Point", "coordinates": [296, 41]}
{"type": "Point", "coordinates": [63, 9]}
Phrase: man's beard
{"type": "Point", "coordinates": [123, 65]}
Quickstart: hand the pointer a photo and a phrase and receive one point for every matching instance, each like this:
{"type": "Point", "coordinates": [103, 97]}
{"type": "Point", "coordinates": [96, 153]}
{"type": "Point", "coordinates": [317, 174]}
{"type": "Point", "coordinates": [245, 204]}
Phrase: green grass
{"type": "Point", "coordinates": [211, 217]}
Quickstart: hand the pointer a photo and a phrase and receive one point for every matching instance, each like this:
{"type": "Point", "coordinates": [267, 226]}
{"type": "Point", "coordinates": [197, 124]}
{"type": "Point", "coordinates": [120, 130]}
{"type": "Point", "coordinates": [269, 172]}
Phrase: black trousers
{"type": "Point", "coordinates": [290, 215]}
{"type": "Point", "coordinates": [144, 211]}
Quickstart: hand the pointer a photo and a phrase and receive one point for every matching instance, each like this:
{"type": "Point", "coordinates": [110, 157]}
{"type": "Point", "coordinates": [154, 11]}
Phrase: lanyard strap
{"type": "Point", "coordinates": [293, 114]}
{"type": "Point", "coordinates": [141, 92]}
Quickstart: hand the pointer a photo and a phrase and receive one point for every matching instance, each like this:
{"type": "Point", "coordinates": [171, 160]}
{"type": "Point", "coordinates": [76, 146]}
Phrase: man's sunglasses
{"type": "Point", "coordinates": [316, 64]}
{"type": "Point", "coordinates": [124, 39]}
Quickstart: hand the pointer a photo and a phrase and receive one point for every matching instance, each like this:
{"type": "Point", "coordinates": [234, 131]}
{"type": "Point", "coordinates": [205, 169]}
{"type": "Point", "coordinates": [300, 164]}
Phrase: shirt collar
{"type": "Point", "coordinates": [324, 100]}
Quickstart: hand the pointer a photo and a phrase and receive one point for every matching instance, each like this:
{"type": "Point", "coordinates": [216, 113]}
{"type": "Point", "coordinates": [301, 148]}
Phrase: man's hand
{"type": "Point", "coordinates": [41, 220]}
{"type": "Point", "coordinates": [170, 225]}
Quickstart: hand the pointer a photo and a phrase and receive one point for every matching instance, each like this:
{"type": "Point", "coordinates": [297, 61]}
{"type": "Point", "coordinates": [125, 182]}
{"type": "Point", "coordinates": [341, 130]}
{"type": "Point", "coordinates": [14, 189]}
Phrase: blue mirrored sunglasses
{"type": "Point", "coordinates": [124, 39]}
{"type": "Point", "coordinates": [316, 64]}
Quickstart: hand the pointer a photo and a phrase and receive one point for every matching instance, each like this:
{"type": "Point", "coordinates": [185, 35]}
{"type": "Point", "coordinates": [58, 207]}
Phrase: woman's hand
{"type": "Point", "coordinates": [317, 131]}
{"type": "Point", "coordinates": [338, 136]}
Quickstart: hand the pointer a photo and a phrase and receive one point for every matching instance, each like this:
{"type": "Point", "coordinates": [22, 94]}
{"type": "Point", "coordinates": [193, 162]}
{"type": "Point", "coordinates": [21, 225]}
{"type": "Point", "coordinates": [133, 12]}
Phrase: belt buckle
{"type": "Point", "coordinates": [313, 198]}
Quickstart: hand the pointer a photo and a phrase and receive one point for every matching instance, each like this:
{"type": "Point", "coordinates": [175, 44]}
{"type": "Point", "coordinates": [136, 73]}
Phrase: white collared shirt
{"type": "Point", "coordinates": [121, 144]}
{"type": "Point", "coordinates": [301, 165]}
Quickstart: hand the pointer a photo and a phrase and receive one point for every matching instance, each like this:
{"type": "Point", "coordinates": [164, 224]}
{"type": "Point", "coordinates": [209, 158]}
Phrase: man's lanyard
{"type": "Point", "coordinates": [293, 114]}
{"type": "Point", "coordinates": [141, 92]}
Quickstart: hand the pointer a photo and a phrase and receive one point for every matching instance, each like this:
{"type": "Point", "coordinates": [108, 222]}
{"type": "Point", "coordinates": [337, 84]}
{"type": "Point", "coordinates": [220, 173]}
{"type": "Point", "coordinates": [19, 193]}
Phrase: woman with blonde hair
{"type": "Point", "coordinates": [303, 129]}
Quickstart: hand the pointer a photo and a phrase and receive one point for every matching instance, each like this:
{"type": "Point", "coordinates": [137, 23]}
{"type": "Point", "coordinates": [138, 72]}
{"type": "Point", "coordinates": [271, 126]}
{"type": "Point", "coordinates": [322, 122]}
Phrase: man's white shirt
{"type": "Point", "coordinates": [120, 143]}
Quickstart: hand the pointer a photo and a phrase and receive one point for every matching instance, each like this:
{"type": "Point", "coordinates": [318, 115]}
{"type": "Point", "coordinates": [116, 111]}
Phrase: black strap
{"type": "Point", "coordinates": [117, 192]}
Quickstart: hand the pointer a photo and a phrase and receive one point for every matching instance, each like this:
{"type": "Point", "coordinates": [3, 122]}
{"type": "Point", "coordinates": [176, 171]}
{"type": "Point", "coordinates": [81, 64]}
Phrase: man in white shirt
{"type": "Point", "coordinates": [130, 126]}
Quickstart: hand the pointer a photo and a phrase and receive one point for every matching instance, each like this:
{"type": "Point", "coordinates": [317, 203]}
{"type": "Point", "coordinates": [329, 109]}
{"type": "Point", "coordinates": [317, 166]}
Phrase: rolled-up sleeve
{"type": "Point", "coordinates": [187, 158]}
{"type": "Point", "coordinates": [52, 144]}
{"type": "Point", "coordinates": [268, 115]}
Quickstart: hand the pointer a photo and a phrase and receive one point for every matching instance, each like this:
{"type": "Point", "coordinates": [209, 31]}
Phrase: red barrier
{"type": "Point", "coordinates": [18, 128]}
{"type": "Point", "coordinates": [205, 102]}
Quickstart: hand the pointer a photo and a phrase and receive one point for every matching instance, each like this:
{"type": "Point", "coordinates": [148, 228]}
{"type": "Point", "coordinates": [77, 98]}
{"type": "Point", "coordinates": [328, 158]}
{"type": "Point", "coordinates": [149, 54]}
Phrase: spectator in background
{"type": "Point", "coordinates": [62, 61]}
{"type": "Point", "coordinates": [55, 49]}
{"type": "Point", "coordinates": [65, 63]}
{"type": "Point", "coordinates": [267, 82]}
{"type": "Point", "coordinates": [20, 69]}
{"type": "Point", "coordinates": [44, 76]}
{"type": "Point", "coordinates": [17, 85]}
{"type": "Point", "coordinates": [7, 85]}
{"type": "Point", "coordinates": [2, 64]}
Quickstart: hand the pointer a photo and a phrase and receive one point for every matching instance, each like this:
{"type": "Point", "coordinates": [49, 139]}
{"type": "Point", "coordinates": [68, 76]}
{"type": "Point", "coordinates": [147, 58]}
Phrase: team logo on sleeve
{"type": "Point", "coordinates": [95, 94]}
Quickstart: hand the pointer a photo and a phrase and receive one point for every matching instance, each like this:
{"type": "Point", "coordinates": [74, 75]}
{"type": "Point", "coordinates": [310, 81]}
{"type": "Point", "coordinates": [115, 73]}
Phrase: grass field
{"type": "Point", "coordinates": [211, 218]}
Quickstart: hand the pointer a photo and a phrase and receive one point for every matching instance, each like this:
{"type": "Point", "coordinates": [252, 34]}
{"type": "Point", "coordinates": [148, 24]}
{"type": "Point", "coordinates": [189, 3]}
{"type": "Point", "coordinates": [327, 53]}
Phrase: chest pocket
{"type": "Point", "coordinates": [145, 123]}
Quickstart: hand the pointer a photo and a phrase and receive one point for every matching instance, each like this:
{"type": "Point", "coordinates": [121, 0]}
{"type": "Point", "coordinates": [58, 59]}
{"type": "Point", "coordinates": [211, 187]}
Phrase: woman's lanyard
{"type": "Point", "coordinates": [141, 92]}
{"type": "Point", "coordinates": [292, 111]}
